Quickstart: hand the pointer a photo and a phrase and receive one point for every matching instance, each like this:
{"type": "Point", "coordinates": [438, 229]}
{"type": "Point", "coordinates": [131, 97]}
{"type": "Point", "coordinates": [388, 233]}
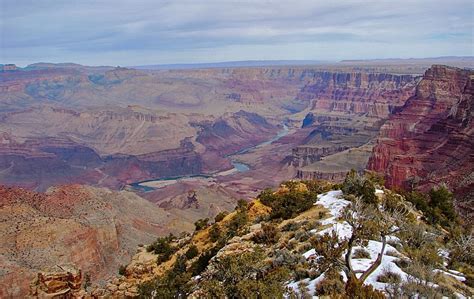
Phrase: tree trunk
{"type": "Point", "coordinates": [377, 262]}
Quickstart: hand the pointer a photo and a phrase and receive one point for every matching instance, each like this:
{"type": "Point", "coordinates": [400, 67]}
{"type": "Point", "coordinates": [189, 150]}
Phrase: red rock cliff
{"type": "Point", "coordinates": [430, 140]}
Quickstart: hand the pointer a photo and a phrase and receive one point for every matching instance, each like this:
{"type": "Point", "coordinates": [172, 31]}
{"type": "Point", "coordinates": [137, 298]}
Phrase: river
{"type": "Point", "coordinates": [153, 184]}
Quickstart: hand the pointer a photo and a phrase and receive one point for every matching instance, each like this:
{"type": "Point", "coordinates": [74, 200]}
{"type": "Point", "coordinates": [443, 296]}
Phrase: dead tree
{"type": "Point", "coordinates": [367, 222]}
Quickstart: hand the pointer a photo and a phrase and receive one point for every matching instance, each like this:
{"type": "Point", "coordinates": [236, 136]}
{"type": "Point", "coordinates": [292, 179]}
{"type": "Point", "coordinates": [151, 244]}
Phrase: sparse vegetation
{"type": "Point", "coordinates": [389, 277]}
{"type": "Point", "coordinates": [360, 187]}
{"type": "Point", "coordinates": [288, 204]}
{"type": "Point", "coordinates": [215, 232]}
{"type": "Point", "coordinates": [331, 285]}
{"type": "Point", "coordinates": [201, 224]}
{"type": "Point", "coordinates": [122, 270]}
{"type": "Point", "coordinates": [269, 234]}
{"type": "Point", "coordinates": [163, 248]}
{"type": "Point", "coordinates": [220, 216]}
{"type": "Point", "coordinates": [437, 206]}
{"type": "Point", "coordinates": [192, 252]}
{"type": "Point", "coordinates": [361, 253]}
{"type": "Point", "coordinates": [256, 266]}
{"type": "Point", "coordinates": [245, 275]}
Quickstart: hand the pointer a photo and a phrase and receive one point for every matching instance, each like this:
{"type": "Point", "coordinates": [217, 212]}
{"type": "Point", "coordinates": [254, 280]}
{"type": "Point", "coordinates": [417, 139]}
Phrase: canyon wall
{"type": "Point", "coordinates": [430, 140]}
{"type": "Point", "coordinates": [94, 229]}
{"type": "Point", "coordinates": [346, 111]}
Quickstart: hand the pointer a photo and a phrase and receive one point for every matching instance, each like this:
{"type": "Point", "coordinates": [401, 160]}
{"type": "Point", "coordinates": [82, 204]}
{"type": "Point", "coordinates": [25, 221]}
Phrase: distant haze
{"type": "Point", "coordinates": [151, 32]}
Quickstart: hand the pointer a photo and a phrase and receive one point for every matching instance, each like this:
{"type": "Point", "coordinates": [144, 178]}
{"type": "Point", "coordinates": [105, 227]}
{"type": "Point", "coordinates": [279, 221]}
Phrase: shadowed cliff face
{"type": "Point", "coordinates": [346, 112]}
{"type": "Point", "coordinates": [431, 139]}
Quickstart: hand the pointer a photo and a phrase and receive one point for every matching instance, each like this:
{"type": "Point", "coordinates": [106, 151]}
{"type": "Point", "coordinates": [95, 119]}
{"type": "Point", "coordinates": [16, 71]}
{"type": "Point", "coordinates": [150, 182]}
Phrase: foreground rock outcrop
{"type": "Point", "coordinates": [430, 140]}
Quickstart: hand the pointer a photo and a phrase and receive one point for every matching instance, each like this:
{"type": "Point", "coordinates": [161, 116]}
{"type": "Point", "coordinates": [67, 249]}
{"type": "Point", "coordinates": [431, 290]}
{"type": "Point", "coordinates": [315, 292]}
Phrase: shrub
{"type": "Point", "coordinates": [355, 290]}
{"type": "Point", "coordinates": [269, 234]}
{"type": "Point", "coordinates": [439, 209]}
{"type": "Point", "coordinates": [375, 178]}
{"type": "Point", "coordinates": [285, 258]}
{"type": "Point", "coordinates": [175, 283]}
{"type": "Point", "coordinates": [304, 290]}
{"type": "Point", "coordinates": [302, 235]}
{"type": "Point", "coordinates": [214, 232]}
{"type": "Point", "coordinates": [201, 224]}
{"type": "Point", "coordinates": [288, 204]}
{"type": "Point", "coordinates": [360, 187]}
{"type": "Point", "coordinates": [300, 273]}
{"type": "Point", "coordinates": [331, 285]}
{"type": "Point", "coordinates": [291, 226]}
{"type": "Point", "coordinates": [163, 248]}
{"type": "Point", "coordinates": [241, 205]}
{"type": "Point", "coordinates": [245, 274]}
{"type": "Point", "coordinates": [220, 216]}
{"type": "Point", "coordinates": [213, 289]}
{"type": "Point", "coordinates": [389, 277]}
{"type": "Point", "coordinates": [192, 252]}
{"type": "Point", "coordinates": [310, 225]}
{"type": "Point", "coordinates": [393, 203]}
{"type": "Point", "coordinates": [237, 222]}
{"type": "Point", "coordinates": [316, 186]}
{"type": "Point", "coordinates": [361, 253]}
{"type": "Point", "coordinates": [203, 261]}
{"type": "Point", "coordinates": [122, 270]}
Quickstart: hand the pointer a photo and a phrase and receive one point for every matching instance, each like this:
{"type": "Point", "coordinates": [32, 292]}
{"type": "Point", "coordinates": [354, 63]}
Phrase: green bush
{"type": "Point", "coordinates": [220, 216]}
{"type": "Point", "coordinates": [361, 253]}
{"type": "Point", "coordinates": [201, 224]}
{"type": "Point", "coordinates": [389, 277]}
{"type": "Point", "coordinates": [237, 222]}
{"type": "Point", "coordinates": [331, 285]}
{"type": "Point", "coordinates": [359, 186]}
{"type": "Point", "coordinates": [163, 248]}
{"type": "Point", "coordinates": [287, 204]}
{"type": "Point", "coordinates": [241, 205]}
{"type": "Point", "coordinates": [192, 252]}
{"type": "Point", "coordinates": [215, 232]}
{"type": "Point", "coordinates": [269, 234]}
{"type": "Point", "coordinates": [245, 275]}
{"type": "Point", "coordinates": [175, 283]}
{"type": "Point", "coordinates": [355, 290]}
{"type": "Point", "coordinates": [437, 206]}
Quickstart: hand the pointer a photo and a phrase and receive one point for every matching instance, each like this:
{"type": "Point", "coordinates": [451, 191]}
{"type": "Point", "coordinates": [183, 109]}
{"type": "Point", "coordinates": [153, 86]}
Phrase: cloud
{"type": "Point", "coordinates": [149, 31]}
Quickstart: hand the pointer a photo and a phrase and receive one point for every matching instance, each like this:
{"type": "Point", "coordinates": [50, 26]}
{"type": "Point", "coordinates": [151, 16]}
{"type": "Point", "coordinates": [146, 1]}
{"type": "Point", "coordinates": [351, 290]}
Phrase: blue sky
{"type": "Point", "coordinates": [137, 32]}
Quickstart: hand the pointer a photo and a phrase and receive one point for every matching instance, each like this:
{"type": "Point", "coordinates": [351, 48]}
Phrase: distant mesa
{"type": "Point", "coordinates": [8, 67]}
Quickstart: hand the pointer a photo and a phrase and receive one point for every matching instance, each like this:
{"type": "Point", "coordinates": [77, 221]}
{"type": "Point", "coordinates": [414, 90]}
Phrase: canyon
{"type": "Point", "coordinates": [109, 158]}
{"type": "Point", "coordinates": [430, 140]}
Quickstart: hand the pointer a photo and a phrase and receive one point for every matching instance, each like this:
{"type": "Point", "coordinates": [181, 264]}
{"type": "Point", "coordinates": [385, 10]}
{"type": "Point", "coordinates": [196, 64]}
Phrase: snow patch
{"type": "Point", "coordinates": [333, 201]}
{"type": "Point", "coordinates": [343, 230]}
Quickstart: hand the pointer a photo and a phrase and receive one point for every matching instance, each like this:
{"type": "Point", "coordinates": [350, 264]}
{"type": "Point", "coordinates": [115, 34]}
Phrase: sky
{"type": "Point", "coordinates": [141, 32]}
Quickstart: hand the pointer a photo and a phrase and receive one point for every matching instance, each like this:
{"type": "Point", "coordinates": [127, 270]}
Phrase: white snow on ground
{"type": "Point", "coordinates": [388, 264]}
{"type": "Point", "coordinates": [343, 230]}
{"type": "Point", "coordinates": [335, 203]}
{"type": "Point", "coordinates": [310, 282]}
{"type": "Point", "coordinates": [309, 253]}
